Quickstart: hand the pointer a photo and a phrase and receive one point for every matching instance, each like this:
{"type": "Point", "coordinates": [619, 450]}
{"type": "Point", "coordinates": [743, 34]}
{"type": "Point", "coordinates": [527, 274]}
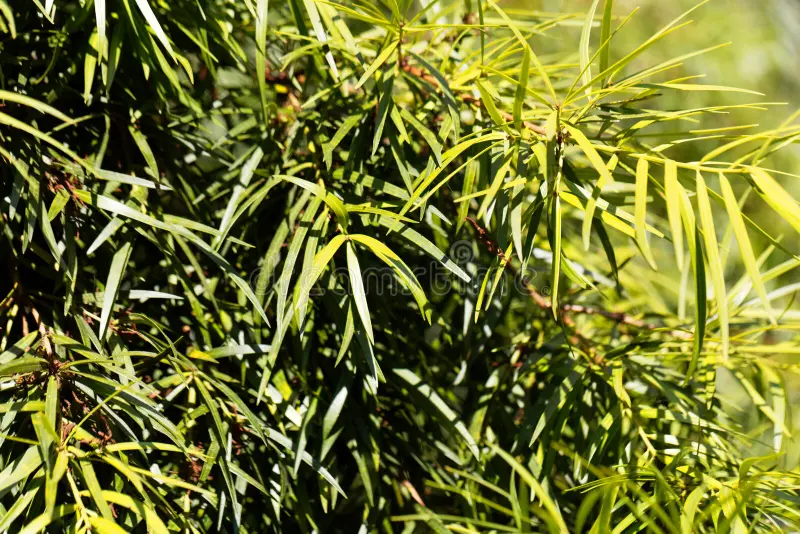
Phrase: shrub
{"type": "Point", "coordinates": [349, 267]}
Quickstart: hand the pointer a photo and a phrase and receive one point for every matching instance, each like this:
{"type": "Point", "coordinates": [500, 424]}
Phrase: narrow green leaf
{"type": "Point", "coordinates": [27, 128]}
{"type": "Point", "coordinates": [347, 334]}
{"type": "Point", "coordinates": [261, 52]}
{"type": "Point", "coordinates": [584, 45]}
{"type": "Point", "coordinates": [515, 219]}
{"type": "Point", "coordinates": [690, 506]}
{"type": "Point", "coordinates": [555, 246]}
{"type": "Point", "coordinates": [338, 209]}
{"type": "Point", "coordinates": [289, 262]}
{"type": "Point", "coordinates": [470, 177]}
{"type": "Point", "coordinates": [90, 478]}
{"type": "Point", "coordinates": [406, 275]}
{"type": "Point", "coordinates": [642, 174]}
{"type": "Point", "coordinates": [17, 98]}
{"type": "Point", "coordinates": [714, 263]}
{"type": "Point", "coordinates": [449, 157]}
{"type": "Point", "coordinates": [144, 147]}
{"type": "Point", "coordinates": [534, 57]}
{"type": "Point", "coordinates": [285, 442]}
{"type": "Point", "coordinates": [443, 411]}
{"type": "Point", "coordinates": [521, 93]}
{"type": "Point", "coordinates": [100, 16]}
{"type": "Point", "coordinates": [385, 107]}
{"type": "Point", "coordinates": [347, 124]}
{"type": "Point", "coordinates": [357, 287]}
{"type": "Point", "coordinates": [219, 430]}
{"type": "Point", "coordinates": [20, 468]}
{"type": "Point", "coordinates": [150, 17]}
{"type": "Point", "coordinates": [58, 204]}
{"type": "Point", "coordinates": [608, 248]}
{"type": "Point", "coordinates": [491, 108]}
{"type": "Point", "coordinates": [776, 196]}
{"type": "Point", "coordinates": [238, 189]}
{"type": "Point", "coordinates": [40, 522]}
{"type": "Point", "coordinates": [18, 348]}
{"type": "Point", "coordinates": [115, 272]}
{"type": "Point", "coordinates": [448, 97]}
{"type": "Point", "coordinates": [114, 54]}
{"type": "Point", "coordinates": [780, 406]}
{"type": "Point", "coordinates": [104, 525]}
{"type": "Point", "coordinates": [336, 406]}
{"type": "Point", "coordinates": [427, 135]}
{"type": "Point", "coordinates": [672, 192]}
{"type": "Point", "coordinates": [89, 65]}
{"type": "Point", "coordinates": [322, 36]}
{"type": "Point", "coordinates": [605, 35]}
{"type": "Point", "coordinates": [154, 523]}
{"type": "Point", "coordinates": [745, 248]}
{"type": "Point", "coordinates": [375, 65]}
{"type": "Point", "coordinates": [700, 87]}
{"type": "Point", "coordinates": [25, 364]}
{"type": "Point", "coordinates": [51, 401]}
{"type": "Point", "coordinates": [777, 419]}
{"type": "Point", "coordinates": [605, 178]}
{"type": "Point", "coordinates": [114, 206]}
{"type": "Point", "coordinates": [550, 506]}
{"type": "Point", "coordinates": [5, 9]}
{"type": "Point", "coordinates": [105, 234]}
{"type": "Point", "coordinates": [536, 210]}
{"type": "Point", "coordinates": [497, 182]}
{"type": "Point", "coordinates": [19, 506]}
{"type": "Point", "coordinates": [32, 211]}
{"type": "Point", "coordinates": [310, 277]}
{"type": "Point", "coordinates": [302, 438]}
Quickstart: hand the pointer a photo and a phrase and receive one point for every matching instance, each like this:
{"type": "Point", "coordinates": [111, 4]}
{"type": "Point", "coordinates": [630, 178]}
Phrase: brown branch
{"type": "Point", "coordinates": [419, 73]}
{"type": "Point", "coordinates": [544, 303]}
{"type": "Point", "coordinates": [535, 128]}
{"type": "Point", "coordinates": [43, 332]}
{"type": "Point", "coordinates": [622, 318]}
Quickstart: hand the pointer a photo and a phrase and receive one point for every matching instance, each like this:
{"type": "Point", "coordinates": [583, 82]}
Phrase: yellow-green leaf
{"type": "Point", "coordinates": [714, 262]}
{"type": "Point", "coordinates": [745, 248]}
{"type": "Point", "coordinates": [640, 211]}
{"type": "Point", "coordinates": [672, 192]}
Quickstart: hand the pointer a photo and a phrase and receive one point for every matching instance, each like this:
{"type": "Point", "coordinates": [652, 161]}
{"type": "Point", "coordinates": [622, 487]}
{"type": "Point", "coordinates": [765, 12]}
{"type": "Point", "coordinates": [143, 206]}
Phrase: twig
{"type": "Point", "coordinates": [541, 130]}
{"type": "Point", "coordinates": [43, 332]}
{"type": "Point", "coordinates": [622, 318]}
{"type": "Point", "coordinates": [416, 71]}
{"type": "Point", "coordinates": [490, 244]}
{"type": "Point", "coordinates": [541, 301]}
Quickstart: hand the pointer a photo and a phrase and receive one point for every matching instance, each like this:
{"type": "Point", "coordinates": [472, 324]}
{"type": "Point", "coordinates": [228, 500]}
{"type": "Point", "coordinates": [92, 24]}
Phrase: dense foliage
{"type": "Point", "coordinates": [354, 266]}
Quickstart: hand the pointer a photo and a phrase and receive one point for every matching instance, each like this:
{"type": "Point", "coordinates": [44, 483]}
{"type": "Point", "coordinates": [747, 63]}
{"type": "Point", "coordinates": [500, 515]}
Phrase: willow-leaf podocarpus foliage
{"type": "Point", "coordinates": [342, 267]}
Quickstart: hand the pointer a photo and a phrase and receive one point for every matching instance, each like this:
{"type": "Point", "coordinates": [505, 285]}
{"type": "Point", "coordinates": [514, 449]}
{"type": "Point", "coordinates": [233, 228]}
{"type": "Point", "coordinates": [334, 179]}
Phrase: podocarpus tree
{"type": "Point", "coordinates": [383, 267]}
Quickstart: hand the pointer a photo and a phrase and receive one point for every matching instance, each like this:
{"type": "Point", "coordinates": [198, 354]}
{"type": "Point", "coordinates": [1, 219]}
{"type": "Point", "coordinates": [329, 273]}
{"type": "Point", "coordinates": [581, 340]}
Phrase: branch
{"type": "Point", "coordinates": [544, 303]}
{"type": "Point", "coordinates": [417, 71]}
{"type": "Point", "coordinates": [535, 128]}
